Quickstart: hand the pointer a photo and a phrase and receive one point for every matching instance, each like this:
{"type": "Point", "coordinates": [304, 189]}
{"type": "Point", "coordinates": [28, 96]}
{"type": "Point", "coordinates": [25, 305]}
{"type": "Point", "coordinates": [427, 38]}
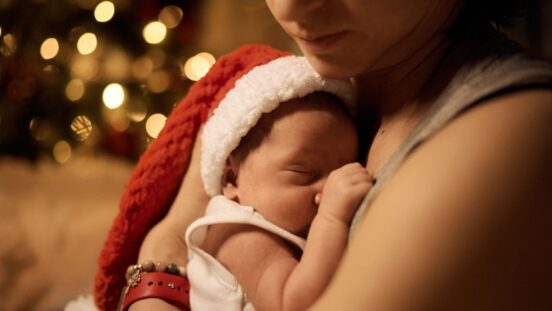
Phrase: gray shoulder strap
{"type": "Point", "coordinates": [472, 84]}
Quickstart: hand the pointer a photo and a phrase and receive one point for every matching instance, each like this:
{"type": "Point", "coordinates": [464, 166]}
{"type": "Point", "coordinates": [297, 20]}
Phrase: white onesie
{"type": "Point", "coordinates": [213, 287]}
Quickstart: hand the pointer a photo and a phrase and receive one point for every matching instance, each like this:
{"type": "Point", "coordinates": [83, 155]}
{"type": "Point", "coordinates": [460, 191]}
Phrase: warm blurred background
{"type": "Point", "coordinates": [85, 86]}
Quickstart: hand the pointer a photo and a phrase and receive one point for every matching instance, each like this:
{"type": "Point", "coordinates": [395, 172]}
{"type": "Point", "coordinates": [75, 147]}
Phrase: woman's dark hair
{"type": "Point", "coordinates": [498, 13]}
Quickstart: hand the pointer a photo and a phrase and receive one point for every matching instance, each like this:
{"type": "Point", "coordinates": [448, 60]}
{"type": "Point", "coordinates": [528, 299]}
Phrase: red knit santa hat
{"type": "Point", "coordinates": [247, 83]}
{"type": "Point", "coordinates": [160, 170]}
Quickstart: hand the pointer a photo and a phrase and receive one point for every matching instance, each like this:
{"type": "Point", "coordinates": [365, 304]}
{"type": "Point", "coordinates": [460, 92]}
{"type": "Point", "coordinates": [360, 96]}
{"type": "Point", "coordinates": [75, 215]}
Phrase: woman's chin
{"type": "Point", "coordinates": [331, 67]}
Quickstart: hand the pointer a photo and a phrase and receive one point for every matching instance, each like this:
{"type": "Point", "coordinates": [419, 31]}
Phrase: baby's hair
{"type": "Point", "coordinates": [263, 128]}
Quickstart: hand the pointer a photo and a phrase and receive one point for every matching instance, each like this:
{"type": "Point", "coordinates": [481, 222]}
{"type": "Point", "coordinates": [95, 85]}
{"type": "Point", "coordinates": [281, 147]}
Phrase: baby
{"type": "Point", "coordinates": [289, 174]}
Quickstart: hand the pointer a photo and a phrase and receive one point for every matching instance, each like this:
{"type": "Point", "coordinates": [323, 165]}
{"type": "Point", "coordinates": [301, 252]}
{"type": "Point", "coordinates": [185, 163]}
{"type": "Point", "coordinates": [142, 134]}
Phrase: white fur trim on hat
{"type": "Point", "coordinates": [259, 91]}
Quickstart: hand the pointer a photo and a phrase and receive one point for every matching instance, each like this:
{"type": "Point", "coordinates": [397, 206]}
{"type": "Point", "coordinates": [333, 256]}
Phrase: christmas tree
{"type": "Point", "coordinates": [93, 75]}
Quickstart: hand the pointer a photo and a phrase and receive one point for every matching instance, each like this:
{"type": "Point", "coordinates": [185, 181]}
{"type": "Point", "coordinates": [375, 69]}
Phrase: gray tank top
{"type": "Point", "coordinates": [496, 66]}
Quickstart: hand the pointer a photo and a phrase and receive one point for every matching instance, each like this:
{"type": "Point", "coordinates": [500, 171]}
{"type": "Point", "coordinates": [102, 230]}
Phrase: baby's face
{"type": "Point", "coordinates": [281, 177]}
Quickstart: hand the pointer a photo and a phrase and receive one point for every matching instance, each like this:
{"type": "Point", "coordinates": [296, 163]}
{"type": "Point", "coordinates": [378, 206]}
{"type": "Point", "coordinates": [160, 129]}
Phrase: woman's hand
{"type": "Point", "coordinates": [164, 243]}
{"type": "Point", "coordinates": [343, 191]}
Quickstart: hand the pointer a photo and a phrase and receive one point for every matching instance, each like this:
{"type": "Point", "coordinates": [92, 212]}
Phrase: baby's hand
{"type": "Point", "coordinates": [343, 191]}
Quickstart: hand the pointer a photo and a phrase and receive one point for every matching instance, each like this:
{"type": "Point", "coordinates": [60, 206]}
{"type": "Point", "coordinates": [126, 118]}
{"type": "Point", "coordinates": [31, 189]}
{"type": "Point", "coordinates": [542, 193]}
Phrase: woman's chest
{"type": "Point", "coordinates": [387, 140]}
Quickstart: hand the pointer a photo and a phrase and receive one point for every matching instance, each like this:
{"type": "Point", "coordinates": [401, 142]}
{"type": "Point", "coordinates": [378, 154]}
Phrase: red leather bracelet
{"type": "Point", "coordinates": [172, 288]}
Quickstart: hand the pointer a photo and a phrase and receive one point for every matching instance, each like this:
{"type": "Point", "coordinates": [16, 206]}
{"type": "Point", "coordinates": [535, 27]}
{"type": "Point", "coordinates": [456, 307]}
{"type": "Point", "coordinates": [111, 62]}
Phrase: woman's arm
{"type": "Point", "coordinates": [165, 241]}
{"type": "Point", "coordinates": [465, 223]}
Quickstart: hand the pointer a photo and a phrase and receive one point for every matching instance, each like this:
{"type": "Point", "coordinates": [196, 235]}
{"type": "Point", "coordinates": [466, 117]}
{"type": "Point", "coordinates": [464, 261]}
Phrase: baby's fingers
{"type": "Point", "coordinates": [351, 172]}
{"type": "Point", "coordinates": [348, 169]}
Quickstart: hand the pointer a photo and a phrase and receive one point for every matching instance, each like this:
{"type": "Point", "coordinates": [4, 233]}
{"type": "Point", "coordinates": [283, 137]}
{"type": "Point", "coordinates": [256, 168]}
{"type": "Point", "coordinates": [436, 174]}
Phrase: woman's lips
{"type": "Point", "coordinates": [320, 43]}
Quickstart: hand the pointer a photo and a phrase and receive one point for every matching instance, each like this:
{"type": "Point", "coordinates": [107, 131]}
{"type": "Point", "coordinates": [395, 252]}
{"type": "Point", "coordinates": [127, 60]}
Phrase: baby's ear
{"type": "Point", "coordinates": [230, 179]}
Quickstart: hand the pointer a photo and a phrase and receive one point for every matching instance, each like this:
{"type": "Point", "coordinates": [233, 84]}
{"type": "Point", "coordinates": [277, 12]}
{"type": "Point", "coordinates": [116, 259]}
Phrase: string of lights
{"type": "Point", "coordinates": [91, 76]}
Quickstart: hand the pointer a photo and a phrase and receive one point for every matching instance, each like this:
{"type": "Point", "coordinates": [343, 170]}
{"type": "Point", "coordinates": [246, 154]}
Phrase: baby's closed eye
{"type": "Point", "coordinates": [299, 175]}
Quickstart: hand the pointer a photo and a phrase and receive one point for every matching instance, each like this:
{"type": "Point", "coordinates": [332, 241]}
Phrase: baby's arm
{"type": "Point", "coordinates": [328, 235]}
{"type": "Point", "coordinates": [266, 267]}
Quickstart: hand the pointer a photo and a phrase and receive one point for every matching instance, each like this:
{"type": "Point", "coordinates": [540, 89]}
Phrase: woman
{"type": "Point", "coordinates": [459, 217]}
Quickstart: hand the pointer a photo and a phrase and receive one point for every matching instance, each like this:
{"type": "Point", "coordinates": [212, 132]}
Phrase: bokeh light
{"type": "Point", "coordinates": [87, 74]}
{"type": "Point", "coordinates": [113, 95]}
{"type": "Point", "coordinates": [74, 90]}
{"type": "Point", "coordinates": [158, 56]}
{"type": "Point", "coordinates": [142, 67]}
{"type": "Point", "coordinates": [49, 48]}
{"type": "Point", "coordinates": [84, 67]}
{"type": "Point", "coordinates": [87, 43]}
{"type": "Point", "coordinates": [137, 111]}
{"type": "Point", "coordinates": [171, 16]}
{"type": "Point", "coordinates": [62, 151]}
{"type": "Point", "coordinates": [155, 124]}
{"type": "Point", "coordinates": [81, 127]}
{"type": "Point", "coordinates": [94, 137]}
{"type": "Point", "coordinates": [116, 65]}
{"type": "Point", "coordinates": [118, 120]}
{"type": "Point", "coordinates": [104, 11]}
{"type": "Point", "coordinates": [154, 32]}
{"type": "Point", "coordinates": [158, 81]}
{"type": "Point", "coordinates": [40, 129]}
{"type": "Point", "coordinates": [197, 66]}
{"type": "Point", "coordinates": [9, 45]}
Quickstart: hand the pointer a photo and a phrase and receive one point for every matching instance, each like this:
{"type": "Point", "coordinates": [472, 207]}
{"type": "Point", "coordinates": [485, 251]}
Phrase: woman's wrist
{"type": "Point", "coordinates": [149, 304]}
{"type": "Point", "coordinates": [164, 242]}
{"type": "Point", "coordinates": [166, 282]}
